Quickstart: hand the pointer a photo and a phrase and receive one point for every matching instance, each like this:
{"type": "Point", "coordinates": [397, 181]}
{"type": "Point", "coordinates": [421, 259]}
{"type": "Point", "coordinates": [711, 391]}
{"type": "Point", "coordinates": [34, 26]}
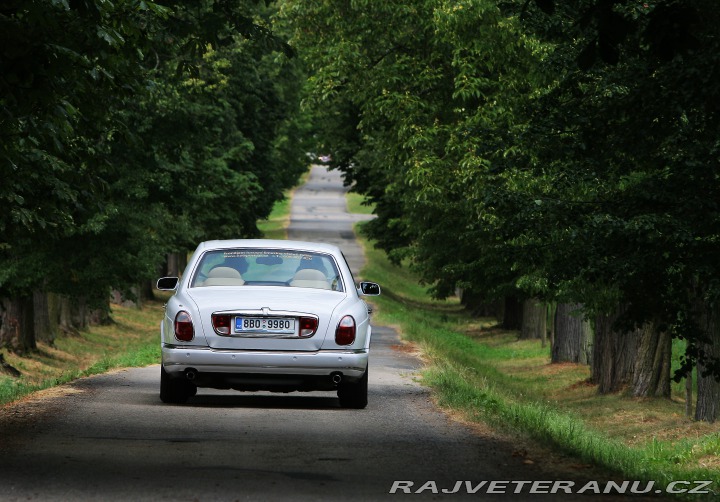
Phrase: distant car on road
{"type": "Point", "coordinates": [256, 315]}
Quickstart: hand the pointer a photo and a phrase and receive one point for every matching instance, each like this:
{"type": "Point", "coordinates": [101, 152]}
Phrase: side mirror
{"type": "Point", "coordinates": [168, 283]}
{"type": "Point", "coordinates": [370, 288]}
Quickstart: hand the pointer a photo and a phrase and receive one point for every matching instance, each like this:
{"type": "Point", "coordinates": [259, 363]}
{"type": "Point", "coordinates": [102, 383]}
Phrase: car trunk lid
{"type": "Point", "coordinates": [265, 318]}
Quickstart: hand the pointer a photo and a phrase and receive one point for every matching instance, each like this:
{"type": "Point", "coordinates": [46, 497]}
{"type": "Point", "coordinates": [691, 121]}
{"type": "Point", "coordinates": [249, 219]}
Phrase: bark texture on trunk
{"type": "Point", "coordinates": [133, 298]}
{"type": "Point", "coordinates": [175, 264]}
{"type": "Point", "coordinates": [72, 315]}
{"type": "Point", "coordinates": [172, 266]}
{"type": "Point", "coordinates": [46, 325]}
{"type": "Point", "coordinates": [614, 354]}
{"type": "Point", "coordinates": [689, 394]}
{"type": "Point", "coordinates": [707, 407]}
{"type": "Point", "coordinates": [651, 375]}
{"type": "Point", "coordinates": [573, 335]}
{"type": "Point", "coordinates": [476, 304]}
{"type": "Point", "coordinates": [534, 320]}
{"type": "Point", "coordinates": [147, 291]}
{"type": "Point", "coordinates": [17, 324]}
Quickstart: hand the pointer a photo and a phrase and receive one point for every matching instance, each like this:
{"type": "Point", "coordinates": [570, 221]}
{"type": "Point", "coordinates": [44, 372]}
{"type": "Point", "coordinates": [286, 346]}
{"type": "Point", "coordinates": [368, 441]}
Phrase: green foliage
{"type": "Point", "coordinates": [132, 129]}
{"type": "Point", "coordinates": [564, 151]}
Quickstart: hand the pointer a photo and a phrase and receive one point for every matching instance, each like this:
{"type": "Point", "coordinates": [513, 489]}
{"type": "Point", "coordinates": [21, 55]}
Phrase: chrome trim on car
{"type": "Point", "coordinates": [267, 313]}
{"type": "Point", "coordinates": [176, 359]}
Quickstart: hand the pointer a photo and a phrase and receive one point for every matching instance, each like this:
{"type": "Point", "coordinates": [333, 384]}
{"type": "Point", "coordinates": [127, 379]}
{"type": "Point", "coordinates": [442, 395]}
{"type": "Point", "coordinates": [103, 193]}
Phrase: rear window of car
{"type": "Point", "coordinates": [263, 267]}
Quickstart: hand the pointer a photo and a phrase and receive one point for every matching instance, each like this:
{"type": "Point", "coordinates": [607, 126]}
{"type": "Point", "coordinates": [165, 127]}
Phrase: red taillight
{"type": "Point", "coordinates": [184, 330]}
{"type": "Point", "coordinates": [308, 326]}
{"type": "Point", "coordinates": [345, 332]}
{"type": "Point", "coordinates": [221, 323]}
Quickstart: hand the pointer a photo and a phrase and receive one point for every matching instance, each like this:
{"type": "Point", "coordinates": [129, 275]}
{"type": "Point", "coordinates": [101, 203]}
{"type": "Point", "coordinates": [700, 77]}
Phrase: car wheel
{"type": "Point", "coordinates": [354, 395]}
{"type": "Point", "coordinates": [175, 390]}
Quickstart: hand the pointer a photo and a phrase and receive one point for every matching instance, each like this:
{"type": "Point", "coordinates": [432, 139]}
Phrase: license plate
{"type": "Point", "coordinates": [274, 325]}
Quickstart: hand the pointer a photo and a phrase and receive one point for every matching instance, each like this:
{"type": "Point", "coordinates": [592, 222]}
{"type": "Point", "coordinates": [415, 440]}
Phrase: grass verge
{"type": "Point", "coordinates": [131, 340]}
{"type": "Point", "coordinates": [487, 375]}
{"type": "Point", "coordinates": [275, 227]}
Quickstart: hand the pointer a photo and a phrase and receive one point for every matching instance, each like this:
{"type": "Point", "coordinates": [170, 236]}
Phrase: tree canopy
{"type": "Point", "coordinates": [565, 151]}
{"type": "Point", "coordinates": [132, 129]}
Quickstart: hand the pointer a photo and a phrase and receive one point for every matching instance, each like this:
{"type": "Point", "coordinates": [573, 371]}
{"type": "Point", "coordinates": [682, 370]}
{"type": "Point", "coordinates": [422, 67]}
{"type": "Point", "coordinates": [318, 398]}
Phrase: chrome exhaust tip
{"type": "Point", "coordinates": [336, 378]}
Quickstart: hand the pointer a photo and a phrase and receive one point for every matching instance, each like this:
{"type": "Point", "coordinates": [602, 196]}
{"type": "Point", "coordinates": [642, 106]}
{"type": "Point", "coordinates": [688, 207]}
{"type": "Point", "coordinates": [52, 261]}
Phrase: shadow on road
{"type": "Point", "coordinates": [280, 401]}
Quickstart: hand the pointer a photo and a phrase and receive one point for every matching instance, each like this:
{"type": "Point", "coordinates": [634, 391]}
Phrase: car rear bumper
{"type": "Point", "coordinates": [177, 360]}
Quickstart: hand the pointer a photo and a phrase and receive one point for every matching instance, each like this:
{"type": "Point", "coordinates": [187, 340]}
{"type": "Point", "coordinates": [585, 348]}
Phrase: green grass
{"type": "Point", "coordinates": [132, 340]}
{"type": "Point", "coordinates": [488, 375]}
{"type": "Point", "coordinates": [356, 204]}
{"type": "Point", "coordinates": [275, 227]}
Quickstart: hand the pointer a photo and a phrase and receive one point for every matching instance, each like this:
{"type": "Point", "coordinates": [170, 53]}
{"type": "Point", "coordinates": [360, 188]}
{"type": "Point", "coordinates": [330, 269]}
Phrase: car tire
{"type": "Point", "coordinates": [354, 395]}
{"type": "Point", "coordinates": [175, 390]}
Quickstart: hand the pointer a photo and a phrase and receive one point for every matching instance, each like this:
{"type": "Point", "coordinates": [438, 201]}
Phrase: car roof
{"type": "Point", "coordinates": [320, 247]}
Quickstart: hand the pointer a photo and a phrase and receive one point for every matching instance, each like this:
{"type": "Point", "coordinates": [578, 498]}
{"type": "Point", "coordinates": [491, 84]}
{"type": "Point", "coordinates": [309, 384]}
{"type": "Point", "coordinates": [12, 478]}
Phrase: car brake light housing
{"type": "Point", "coordinates": [184, 329]}
{"type": "Point", "coordinates": [308, 326]}
{"type": "Point", "coordinates": [221, 323]}
{"type": "Point", "coordinates": [345, 331]}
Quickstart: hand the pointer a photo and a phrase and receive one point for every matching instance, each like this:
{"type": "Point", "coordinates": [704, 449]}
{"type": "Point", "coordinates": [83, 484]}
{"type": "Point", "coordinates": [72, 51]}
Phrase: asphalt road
{"type": "Point", "coordinates": [110, 438]}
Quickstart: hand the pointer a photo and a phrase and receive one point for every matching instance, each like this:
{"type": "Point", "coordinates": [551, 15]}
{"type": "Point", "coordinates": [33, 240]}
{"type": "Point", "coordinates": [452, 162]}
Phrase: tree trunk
{"type": "Point", "coordinates": [175, 264]}
{"type": "Point", "coordinates": [534, 320]}
{"type": "Point", "coordinates": [476, 304]}
{"type": "Point", "coordinates": [79, 313]}
{"type": "Point", "coordinates": [573, 335]}
{"type": "Point", "coordinates": [17, 324]}
{"type": "Point", "coordinates": [552, 314]}
{"type": "Point", "coordinates": [133, 298]}
{"type": "Point", "coordinates": [651, 375]}
{"type": "Point", "coordinates": [68, 318]}
{"type": "Point", "coordinates": [182, 262]}
{"type": "Point", "coordinates": [512, 313]}
{"type": "Point", "coordinates": [100, 316]}
{"type": "Point", "coordinates": [172, 268]}
{"type": "Point", "coordinates": [689, 394]}
{"type": "Point", "coordinates": [45, 323]}
{"type": "Point", "coordinates": [708, 388]}
{"type": "Point", "coordinates": [613, 357]}
{"type": "Point", "coordinates": [147, 291]}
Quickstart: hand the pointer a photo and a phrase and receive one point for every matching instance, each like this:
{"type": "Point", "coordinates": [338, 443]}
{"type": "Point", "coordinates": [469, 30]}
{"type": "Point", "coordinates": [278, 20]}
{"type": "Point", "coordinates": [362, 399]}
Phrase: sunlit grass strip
{"type": "Point", "coordinates": [275, 227]}
{"type": "Point", "coordinates": [457, 388]}
{"type": "Point", "coordinates": [276, 224]}
{"type": "Point", "coordinates": [356, 204]}
{"type": "Point", "coordinates": [132, 341]}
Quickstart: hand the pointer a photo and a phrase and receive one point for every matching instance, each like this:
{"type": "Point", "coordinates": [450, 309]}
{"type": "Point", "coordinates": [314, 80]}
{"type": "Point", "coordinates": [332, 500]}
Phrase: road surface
{"type": "Point", "coordinates": [109, 438]}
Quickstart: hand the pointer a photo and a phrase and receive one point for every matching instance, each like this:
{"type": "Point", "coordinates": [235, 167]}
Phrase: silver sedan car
{"type": "Point", "coordinates": [256, 315]}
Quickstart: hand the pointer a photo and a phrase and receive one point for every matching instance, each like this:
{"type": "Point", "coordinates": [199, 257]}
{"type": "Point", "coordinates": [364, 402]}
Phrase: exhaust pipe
{"type": "Point", "coordinates": [191, 374]}
{"type": "Point", "coordinates": [336, 377]}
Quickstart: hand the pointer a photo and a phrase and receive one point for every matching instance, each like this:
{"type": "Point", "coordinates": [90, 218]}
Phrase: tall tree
{"type": "Point", "coordinates": [573, 335]}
